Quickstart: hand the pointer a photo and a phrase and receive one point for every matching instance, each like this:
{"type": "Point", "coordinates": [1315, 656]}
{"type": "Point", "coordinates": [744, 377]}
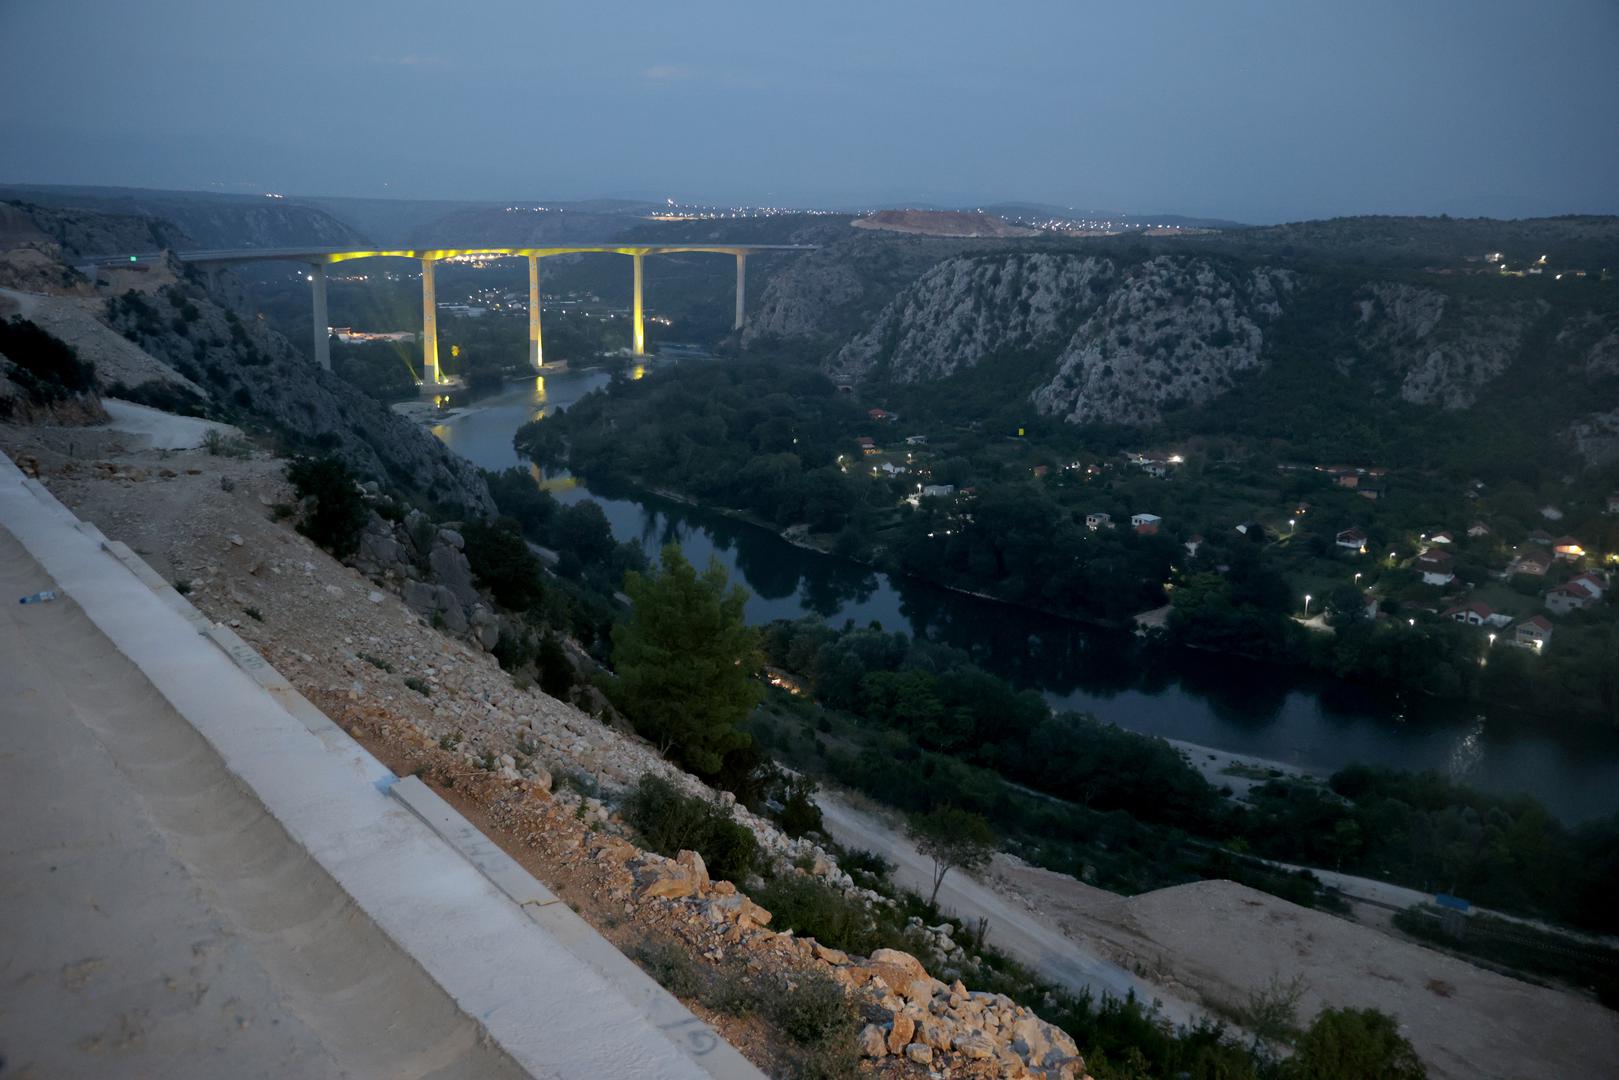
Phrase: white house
{"type": "Point", "coordinates": [1138, 520]}
{"type": "Point", "coordinates": [938, 491]}
{"type": "Point", "coordinates": [1098, 520]}
{"type": "Point", "coordinates": [893, 470]}
{"type": "Point", "coordinates": [1533, 633]}
{"type": "Point", "coordinates": [1436, 568]}
{"type": "Point", "coordinates": [1353, 539]}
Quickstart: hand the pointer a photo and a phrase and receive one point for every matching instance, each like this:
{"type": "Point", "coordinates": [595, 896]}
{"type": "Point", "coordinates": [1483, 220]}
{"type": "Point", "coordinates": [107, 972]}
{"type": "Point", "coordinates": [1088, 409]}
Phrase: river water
{"type": "Point", "coordinates": [1216, 701]}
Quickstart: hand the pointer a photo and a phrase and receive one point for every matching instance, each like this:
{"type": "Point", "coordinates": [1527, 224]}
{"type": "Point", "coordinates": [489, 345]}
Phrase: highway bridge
{"type": "Point", "coordinates": [318, 259]}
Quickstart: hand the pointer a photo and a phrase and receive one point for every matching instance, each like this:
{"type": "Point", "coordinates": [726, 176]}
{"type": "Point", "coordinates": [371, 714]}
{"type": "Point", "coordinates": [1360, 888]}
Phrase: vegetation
{"type": "Point", "coordinates": [47, 368]}
{"type": "Point", "coordinates": [336, 513]}
{"type": "Point", "coordinates": [685, 662]}
{"type": "Point", "coordinates": [953, 839]}
{"type": "Point", "coordinates": [1352, 1044]}
{"type": "Point", "coordinates": [670, 821]}
{"type": "Point", "coordinates": [1539, 953]}
{"type": "Point", "coordinates": [916, 726]}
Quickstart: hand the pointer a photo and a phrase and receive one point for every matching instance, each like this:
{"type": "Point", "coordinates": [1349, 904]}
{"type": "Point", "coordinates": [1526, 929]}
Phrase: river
{"type": "Point", "coordinates": [1216, 701]}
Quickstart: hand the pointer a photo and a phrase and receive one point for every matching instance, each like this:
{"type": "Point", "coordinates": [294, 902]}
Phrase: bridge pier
{"type": "Point", "coordinates": [430, 375]}
{"type": "Point", "coordinates": [323, 328]}
{"type": "Point", "coordinates": [639, 329]}
{"type": "Point", "coordinates": [741, 289]}
{"type": "Point", "coordinates": [536, 354]}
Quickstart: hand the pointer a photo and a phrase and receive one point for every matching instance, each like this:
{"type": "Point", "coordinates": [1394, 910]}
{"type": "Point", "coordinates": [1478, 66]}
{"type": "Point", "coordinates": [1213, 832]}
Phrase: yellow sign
{"type": "Point", "coordinates": [455, 350]}
{"type": "Point", "coordinates": [1020, 433]}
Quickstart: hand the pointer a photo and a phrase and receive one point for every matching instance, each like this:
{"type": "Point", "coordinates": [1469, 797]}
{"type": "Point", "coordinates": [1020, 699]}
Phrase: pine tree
{"type": "Point", "coordinates": [686, 661]}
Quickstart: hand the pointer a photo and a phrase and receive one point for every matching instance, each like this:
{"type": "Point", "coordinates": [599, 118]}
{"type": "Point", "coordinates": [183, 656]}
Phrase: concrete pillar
{"type": "Point", "coordinates": [430, 376]}
{"type": "Point", "coordinates": [741, 289]}
{"type": "Point", "coordinates": [323, 326]}
{"type": "Point", "coordinates": [536, 355]}
{"type": "Point", "coordinates": [640, 327]}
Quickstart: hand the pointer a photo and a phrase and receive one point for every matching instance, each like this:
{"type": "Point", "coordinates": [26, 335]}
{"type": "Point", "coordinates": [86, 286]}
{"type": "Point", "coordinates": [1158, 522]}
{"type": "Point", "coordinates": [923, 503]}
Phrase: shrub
{"type": "Point", "coordinates": [1353, 1044]}
{"type": "Point", "coordinates": [811, 1009]}
{"type": "Point", "coordinates": [670, 821]}
{"type": "Point", "coordinates": [502, 563]}
{"type": "Point", "coordinates": [811, 908]}
{"type": "Point", "coordinates": [419, 686]}
{"type": "Point", "coordinates": [47, 368]}
{"type": "Point", "coordinates": [671, 965]}
{"type": "Point", "coordinates": [339, 511]}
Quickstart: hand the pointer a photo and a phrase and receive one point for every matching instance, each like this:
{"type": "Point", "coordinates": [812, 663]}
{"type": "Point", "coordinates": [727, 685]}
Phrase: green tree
{"type": "Point", "coordinates": [1354, 1044]}
{"type": "Point", "coordinates": [686, 661]}
{"type": "Point", "coordinates": [338, 512]}
{"type": "Point", "coordinates": [951, 837]}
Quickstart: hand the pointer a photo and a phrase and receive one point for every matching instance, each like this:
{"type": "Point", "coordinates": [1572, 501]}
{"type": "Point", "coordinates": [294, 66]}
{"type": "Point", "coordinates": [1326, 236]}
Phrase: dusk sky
{"type": "Point", "coordinates": [1254, 111]}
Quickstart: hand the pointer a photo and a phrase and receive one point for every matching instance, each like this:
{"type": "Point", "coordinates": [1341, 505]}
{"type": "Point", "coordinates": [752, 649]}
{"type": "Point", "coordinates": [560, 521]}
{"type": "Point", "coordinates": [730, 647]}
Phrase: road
{"type": "Point", "coordinates": [1015, 931]}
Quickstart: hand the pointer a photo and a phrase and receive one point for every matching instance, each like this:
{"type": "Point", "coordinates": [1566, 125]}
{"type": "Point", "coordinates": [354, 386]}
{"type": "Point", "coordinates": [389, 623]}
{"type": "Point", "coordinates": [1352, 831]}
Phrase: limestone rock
{"type": "Point", "coordinates": [871, 1042]}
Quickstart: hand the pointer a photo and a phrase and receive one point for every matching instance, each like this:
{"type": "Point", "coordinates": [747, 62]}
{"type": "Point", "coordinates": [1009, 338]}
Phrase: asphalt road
{"type": "Point", "coordinates": [1012, 929]}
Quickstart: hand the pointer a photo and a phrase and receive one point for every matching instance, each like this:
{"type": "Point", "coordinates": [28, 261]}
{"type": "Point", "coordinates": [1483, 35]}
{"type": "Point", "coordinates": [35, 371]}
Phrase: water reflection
{"type": "Point", "coordinates": [1218, 701]}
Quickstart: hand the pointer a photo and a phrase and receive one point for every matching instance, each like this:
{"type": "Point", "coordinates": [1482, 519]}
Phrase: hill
{"type": "Point", "coordinates": [941, 223]}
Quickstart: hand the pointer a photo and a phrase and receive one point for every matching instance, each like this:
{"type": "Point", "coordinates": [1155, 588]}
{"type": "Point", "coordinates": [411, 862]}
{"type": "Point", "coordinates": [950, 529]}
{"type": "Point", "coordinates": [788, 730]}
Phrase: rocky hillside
{"type": "Point", "coordinates": [1133, 331]}
{"type": "Point", "coordinates": [177, 219]}
{"type": "Point", "coordinates": [169, 337]}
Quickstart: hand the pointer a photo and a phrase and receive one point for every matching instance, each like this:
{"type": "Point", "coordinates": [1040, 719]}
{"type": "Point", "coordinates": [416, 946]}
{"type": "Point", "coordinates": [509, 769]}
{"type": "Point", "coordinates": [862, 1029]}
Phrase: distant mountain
{"type": "Point", "coordinates": [941, 223]}
{"type": "Point", "coordinates": [207, 220]}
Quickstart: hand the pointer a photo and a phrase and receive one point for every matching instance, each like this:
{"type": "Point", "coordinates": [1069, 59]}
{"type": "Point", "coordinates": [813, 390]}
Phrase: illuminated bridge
{"type": "Point", "coordinates": [319, 259]}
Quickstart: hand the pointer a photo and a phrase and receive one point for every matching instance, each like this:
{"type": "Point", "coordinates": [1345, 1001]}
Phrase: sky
{"type": "Point", "coordinates": [1257, 112]}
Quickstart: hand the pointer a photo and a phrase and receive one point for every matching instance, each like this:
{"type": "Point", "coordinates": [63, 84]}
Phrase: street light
{"type": "Point", "coordinates": [1306, 604]}
{"type": "Point", "coordinates": [1357, 579]}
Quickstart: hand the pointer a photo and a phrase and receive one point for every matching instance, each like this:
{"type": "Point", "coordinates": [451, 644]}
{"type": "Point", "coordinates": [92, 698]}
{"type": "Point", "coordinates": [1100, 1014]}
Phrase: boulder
{"type": "Point", "coordinates": [871, 1042]}
{"type": "Point", "coordinates": [974, 1047]}
{"type": "Point", "coordinates": [899, 1035]}
{"type": "Point", "coordinates": [919, 1053]}
{"type": "Point", "coordinates": [664, 880]}
{"type": "Point", "coordinates": [693, 864]}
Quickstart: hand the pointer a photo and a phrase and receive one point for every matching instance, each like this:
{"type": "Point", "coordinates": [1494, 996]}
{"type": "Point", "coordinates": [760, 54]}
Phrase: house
{"type": "Point", "coordinates": [1594, 582]}
{"type": "Point", "coordinates": [1478, 529]}
{"type": "Point", "coordinates": [916, 440]}
{"type": "Point", "coordinates": [1353, 539]}
{"type": "Point", "coordinates": [938, 491]}
{"type": "Point", "coordinates": [1443, 536]}
{"type": "Point", "coordinates": [1436, 568]}
{"type": "Point", "coordinates": [1372, 491]}
{"type": "Point", "coordinates": [1551, 513]}
{"type": "Point", "coordinates": [1613, 503]}
{"type": "Point", "coordinates": [1041, 470]}
{"type": "Point", "coordinates": [1371, 603]}
{"type": "Point", "coordinates": [868, 445]}
{"type": "Point", "coordinates": [1570, 596]}
{"type": "Point", "coordinates": [1147, 528]}
{"type": "Point", "coordinates": [891, 469]}
{"type": "Point", "coordinates": [1477, 613]}
{"type": "Point", "coordinates": [1533, 563]}
{"type": "Point", "coordinates": [1566, 547]}
{"type": "Point", "coordinates": [1533, 633]}
{"type": "Point", "coordinates": [1540, 536]}
{"type": "Point", "coordinates": [1138, 520]}
{"type": "Point", "coordinates": [1098, 520]}
{"type": "Point", "coordinates": [1350, 479]}
{"type": "Point", "coordinates": [1154, 467]}
{"type": "Point", "coordinates": [881, 414]}
{"type": "Point", "coordinates": [1193, 546]}
{"type": "Point", "coordinates": [1252, 529]}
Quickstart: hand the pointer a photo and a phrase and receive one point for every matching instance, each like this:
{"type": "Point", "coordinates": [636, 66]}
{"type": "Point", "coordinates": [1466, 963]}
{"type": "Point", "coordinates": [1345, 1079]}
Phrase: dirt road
{"type": "Point", "coordinates": [1012, 929]}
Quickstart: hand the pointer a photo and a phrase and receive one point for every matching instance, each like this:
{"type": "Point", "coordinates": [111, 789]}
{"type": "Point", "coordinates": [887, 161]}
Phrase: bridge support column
{"type": "Point", "coordinates": [323, 328]}
{"type": "Point", "coordinates": [741, 289]}
{"type": "Point", "coordinates": [536, 354]}
{"type": "Point", "coordinates": [639, 328]}
{"type": "Point", "coordinates": [430, 375]}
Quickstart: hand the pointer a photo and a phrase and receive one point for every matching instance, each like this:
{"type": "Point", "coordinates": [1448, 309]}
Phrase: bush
{"type": "Point", "coordinates": [502, 563]}
{"type": "Point", "coordinates": [47, 368]}
{"type": "Point", "coordinates": [339, 511]}
{"type": "Point", "coordinates": [671, 965]}
{"type": "Point", "coordinates": [811, 908]}
{"type": "Point", "coordinates": [670, 821]}
{"type": "Point", "coordinates": [1354, 1044]}
{"type": "Point", "coordinates": [811, 1009]}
